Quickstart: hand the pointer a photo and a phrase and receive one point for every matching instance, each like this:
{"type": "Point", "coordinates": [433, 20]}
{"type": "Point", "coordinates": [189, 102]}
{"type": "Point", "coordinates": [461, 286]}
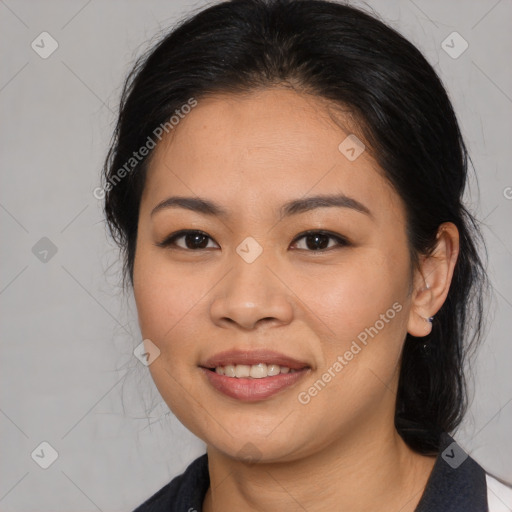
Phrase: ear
{"type": "Point", "coordinates": [432, 280]}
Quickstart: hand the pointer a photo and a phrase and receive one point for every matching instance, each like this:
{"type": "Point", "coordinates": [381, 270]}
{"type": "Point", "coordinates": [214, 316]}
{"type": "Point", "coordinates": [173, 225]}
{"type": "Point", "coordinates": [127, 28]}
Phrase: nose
{"type": "Point", "coordinates": [251, 295]}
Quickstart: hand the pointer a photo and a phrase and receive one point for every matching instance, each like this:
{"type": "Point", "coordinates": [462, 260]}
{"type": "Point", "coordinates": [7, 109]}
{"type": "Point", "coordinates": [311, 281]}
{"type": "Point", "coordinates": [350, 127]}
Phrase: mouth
{"type": "Point", "coordinates": [252, 376]}
{"type": "Point", "coordinates": [254, 371]}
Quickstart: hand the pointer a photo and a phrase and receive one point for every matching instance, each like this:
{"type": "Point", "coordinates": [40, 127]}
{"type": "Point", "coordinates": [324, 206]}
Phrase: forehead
{"type": "Point", "coordinates": [261, 148]}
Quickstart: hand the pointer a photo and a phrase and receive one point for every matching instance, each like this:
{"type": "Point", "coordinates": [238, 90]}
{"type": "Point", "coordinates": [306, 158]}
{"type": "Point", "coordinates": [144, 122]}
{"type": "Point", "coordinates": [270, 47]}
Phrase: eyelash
{"type": "Point", "coordinates": [169, 242]}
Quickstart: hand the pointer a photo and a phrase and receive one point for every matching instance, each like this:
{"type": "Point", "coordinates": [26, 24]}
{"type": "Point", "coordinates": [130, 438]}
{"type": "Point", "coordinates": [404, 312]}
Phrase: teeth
{"type": "Point", "coordinates": [242, 370]}
{"type": "Point", "coordinates": [258, 371]}
{"type": "Point", "coordinates": [275, 369]}
{"type": "Point", "coordinates": [255, 371]}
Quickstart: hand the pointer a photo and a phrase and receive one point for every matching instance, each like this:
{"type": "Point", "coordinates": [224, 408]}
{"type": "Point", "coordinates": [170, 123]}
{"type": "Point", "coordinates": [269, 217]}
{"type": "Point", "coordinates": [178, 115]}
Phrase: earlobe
{"type": "Point", "coordinates": [420, 315]}
{"type": "Point", "coordinates": [433, 280]}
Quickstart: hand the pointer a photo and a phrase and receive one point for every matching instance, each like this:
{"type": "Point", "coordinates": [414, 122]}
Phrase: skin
{"type": "Point", "coordinates": [251, 154]}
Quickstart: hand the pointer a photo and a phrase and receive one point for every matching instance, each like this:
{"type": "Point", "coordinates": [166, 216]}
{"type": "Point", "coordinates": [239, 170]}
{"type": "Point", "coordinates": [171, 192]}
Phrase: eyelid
{"type": "Point", "coordinates": [169, 240]}
{"type": "Point", "coordinates": [343, 241]}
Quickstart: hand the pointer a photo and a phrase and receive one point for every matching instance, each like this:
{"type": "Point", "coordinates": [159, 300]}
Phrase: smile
{"type": "Point", "coordinates": [249, 388]}
{"type": "Point", "coordinates": [255, 371]}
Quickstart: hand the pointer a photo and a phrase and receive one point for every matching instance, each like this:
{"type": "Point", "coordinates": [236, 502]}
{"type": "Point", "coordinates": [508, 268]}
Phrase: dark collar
{"type": "Point", "coordinates": [457, 483]}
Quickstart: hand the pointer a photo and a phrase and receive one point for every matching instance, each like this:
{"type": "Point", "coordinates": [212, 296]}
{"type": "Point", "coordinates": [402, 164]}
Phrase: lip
{"type": "Point", "coordinates": [252, 390]}
{"type": "Point", "coordinates": [253, 357]}
{"type": "Point", "coordinates": [247, 389]}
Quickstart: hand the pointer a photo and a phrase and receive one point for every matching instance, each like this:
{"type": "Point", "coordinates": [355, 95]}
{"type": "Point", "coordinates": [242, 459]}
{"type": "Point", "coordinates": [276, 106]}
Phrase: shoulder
{"type": "Point", "coordinates": [458, 483]}
{"type": "Point", "coordinates": [184, 492]}
{"type": "Point", "coordinates": [499, 494]}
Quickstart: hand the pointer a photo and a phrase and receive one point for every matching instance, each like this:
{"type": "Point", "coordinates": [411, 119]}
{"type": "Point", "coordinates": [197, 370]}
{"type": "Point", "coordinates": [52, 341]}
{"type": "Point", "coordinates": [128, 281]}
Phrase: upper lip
{"type": "Point", "coordinates": [250, 357]}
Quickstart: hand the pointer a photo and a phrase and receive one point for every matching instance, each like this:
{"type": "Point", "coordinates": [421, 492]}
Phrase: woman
{"type": "Point", "coordinates": [286, 183]}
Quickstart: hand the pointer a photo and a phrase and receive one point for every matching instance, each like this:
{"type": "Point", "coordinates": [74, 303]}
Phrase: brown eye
{"type": "Point", "coordinates": [188, 240]}
{"type": "Point", "coordinates": [319, 241]}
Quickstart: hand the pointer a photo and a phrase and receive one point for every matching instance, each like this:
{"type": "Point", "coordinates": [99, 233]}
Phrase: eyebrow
{"type": "Point", "coordinates": [293, 207]}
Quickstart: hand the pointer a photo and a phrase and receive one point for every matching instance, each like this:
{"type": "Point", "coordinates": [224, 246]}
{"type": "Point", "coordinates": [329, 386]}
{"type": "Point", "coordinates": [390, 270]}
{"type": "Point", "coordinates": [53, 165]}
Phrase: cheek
{"type": "Point", "coordinates": [167, 303]}
{"type": "Point", "coordinates": [360, 314]}
{"type": "Point", "coordinates": [162, 298]}
{"type": "Point", "coordinates": [353, 295]}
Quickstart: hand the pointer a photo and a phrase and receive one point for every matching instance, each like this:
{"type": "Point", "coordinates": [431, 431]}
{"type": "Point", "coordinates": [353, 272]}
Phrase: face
{"type": "Point", "coordinates": [262, 269]}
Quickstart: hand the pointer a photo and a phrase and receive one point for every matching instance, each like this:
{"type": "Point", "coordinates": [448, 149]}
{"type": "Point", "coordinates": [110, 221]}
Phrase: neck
{"type": "Point", "coordinates": [371, 470]}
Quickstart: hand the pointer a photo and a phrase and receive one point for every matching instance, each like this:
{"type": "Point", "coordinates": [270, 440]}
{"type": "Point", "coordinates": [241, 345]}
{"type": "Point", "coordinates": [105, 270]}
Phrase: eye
{"type": "Point", "coordinates": [188, 239]}
{"type": "Point", "coordinates": [319, 241]}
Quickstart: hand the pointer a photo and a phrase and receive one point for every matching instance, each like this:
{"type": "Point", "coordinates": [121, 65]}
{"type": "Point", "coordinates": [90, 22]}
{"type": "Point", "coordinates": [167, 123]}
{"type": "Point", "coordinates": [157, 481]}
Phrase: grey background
{"type": "Point", "coordinates": [68, 375]}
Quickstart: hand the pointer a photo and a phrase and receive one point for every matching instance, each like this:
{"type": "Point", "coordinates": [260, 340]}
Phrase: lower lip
{"type": "Point", "coordinates": [252, 390]}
